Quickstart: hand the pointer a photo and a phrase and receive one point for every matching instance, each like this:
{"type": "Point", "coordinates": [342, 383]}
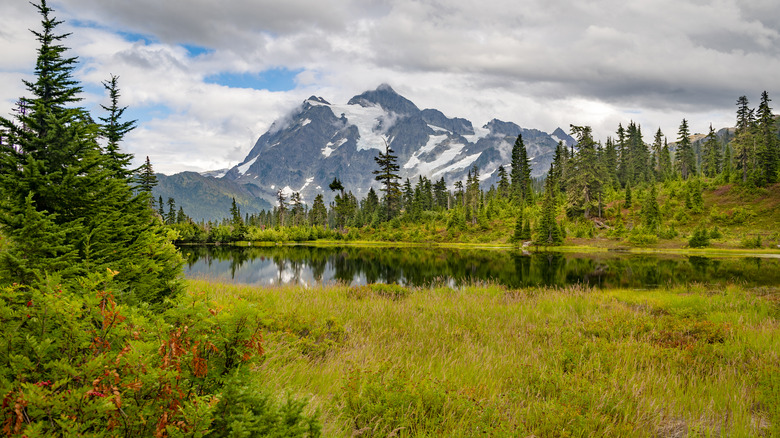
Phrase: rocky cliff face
{"type": "Point", "coordinates": [304, 151]}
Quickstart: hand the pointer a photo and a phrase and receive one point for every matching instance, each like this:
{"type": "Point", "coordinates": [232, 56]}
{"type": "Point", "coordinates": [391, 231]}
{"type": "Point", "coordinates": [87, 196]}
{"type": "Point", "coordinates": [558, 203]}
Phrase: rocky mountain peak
{"type": "Point", "coordinates": [385, 97]}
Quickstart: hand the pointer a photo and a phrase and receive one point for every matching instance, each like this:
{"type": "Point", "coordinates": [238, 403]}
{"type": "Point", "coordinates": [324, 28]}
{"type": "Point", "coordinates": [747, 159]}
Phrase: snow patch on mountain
{"type": "Point", "coordinates": [372, 123]}
{"type": "Point", "coordinates": [244, 167]}
{"type": "Point", "coordinates": [460, 164]}
{"type": "Point", "coordinates": [479, 133]}
{"type": "Point", "coordinates": [330, 147]}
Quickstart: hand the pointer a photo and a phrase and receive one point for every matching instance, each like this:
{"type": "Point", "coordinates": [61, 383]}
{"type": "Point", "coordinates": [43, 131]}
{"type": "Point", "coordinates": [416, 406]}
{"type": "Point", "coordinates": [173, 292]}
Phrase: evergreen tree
{"type": "Point", "coordinates": [586, 177]}
{"type": "Point", "coordinates": [665, 162]}
{"type": "Point", "coordinates": [547, 231]}
{"type": "Point", "coordinates": [658, 146]}
{"type": "Point", "coordinates": [768, 154]}
{"type": "Point", "coordinates": [161, 208]}
{"type": "Point", "coordinates": [54, 172]}
{"type": "Point", "coordinates": [517, 236]}
{"type": "Point", "coordinates": [114, 130]}
{"type": "Point", "coordinates": [684, 156]}
{"type": "Point", "coordinates": [146, 178]}
{"type": "Point", "coordinates": [440, 194]}
{"type": "Point", "coordinates": [503, 183]}
{"type": "Point", "coordinates": [610, 163]}
{"type": "Point", "coordinates": [743, 141]}
{"type": "Point", "coordinates": [170, 217]}
{"type": "Point", "coordinates": [318, 216]}
{"type": "Point", "coordinates": [711, 162]}
{"type": "Point", "coordinates": [282, 209]}
{"type": "Point", "coordinates": [388, 176]}
{"type": "Point", "coordinates": [651, 213]}
{"type": "Point", "coordinates": [521, 172]}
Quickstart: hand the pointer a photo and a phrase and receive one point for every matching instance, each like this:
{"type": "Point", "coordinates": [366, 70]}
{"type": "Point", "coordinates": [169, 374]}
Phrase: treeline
{"type": "Point", "coordinates": [581, 184]}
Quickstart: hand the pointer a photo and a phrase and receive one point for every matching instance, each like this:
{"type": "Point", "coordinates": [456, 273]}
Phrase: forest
{"type": "Point", "coordinates": [625, 190]}
{"type": "Point", "coordinates": [102, 336]}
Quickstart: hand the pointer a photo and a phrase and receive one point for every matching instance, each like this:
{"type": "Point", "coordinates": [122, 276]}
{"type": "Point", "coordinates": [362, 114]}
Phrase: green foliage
{"type": "Point", "coordinates": [640, 236]}
{"type": "Point", "coordinates": [78, 363]}
{"type": "Point", "coordinates": [699, 238]}
{"type": "Point", "coordinates": [54, 173]}
{"type": "Point", "coordinates": [750, 242]}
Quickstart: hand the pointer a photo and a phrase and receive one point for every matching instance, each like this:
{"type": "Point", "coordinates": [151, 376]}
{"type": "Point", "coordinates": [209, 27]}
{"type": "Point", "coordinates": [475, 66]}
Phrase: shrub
{"type": "Point", "coordinates": [699, 238]}
{"type": "Point", "coordinates": [79, 364]}
{"type": "Point", "coordinates": [751, 242]}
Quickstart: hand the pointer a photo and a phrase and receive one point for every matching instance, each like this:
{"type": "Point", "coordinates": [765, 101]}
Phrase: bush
{"type": "Point", "coordinates": [641, 237]}
{"type": "Point", "coordinates": [668, 232]}
{"type": "Point", "coordinates": [699, 238]}
{"type": "Point", "coordinates": [751, 242]}
{"type": "Point", "coordinates": [79, 364]}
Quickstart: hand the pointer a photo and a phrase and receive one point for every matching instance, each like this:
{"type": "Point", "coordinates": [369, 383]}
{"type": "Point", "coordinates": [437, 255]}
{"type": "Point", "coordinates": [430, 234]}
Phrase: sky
{"type": "Point", "coordinates": [205, 78]}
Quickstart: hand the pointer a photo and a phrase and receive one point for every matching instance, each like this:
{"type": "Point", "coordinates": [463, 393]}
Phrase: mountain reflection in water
{"type": "Point", "coordinates": [300, 264]}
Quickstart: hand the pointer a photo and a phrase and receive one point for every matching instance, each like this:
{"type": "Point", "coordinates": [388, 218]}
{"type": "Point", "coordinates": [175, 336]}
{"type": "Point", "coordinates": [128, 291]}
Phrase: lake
{"type": "Point", "coordinates": [306, 265]}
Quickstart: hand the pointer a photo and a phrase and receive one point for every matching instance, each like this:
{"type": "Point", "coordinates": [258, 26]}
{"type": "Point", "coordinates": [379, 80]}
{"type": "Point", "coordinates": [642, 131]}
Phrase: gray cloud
{"type": "Point", "coordinates": [541, 63]}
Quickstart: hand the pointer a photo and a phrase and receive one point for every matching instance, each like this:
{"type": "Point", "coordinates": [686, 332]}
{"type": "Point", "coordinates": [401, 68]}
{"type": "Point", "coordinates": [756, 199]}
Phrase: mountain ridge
{"type": "Point", "coordinates": [318, 141]}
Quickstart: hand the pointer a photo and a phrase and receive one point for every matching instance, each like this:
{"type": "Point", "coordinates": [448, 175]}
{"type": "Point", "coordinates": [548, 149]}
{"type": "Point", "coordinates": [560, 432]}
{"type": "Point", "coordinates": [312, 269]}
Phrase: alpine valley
{"type": "Point", "coordinates": [319, 141]}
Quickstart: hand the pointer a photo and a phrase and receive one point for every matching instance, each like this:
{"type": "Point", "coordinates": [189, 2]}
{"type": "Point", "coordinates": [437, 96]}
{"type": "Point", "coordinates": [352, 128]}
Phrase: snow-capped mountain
{"type": "Point", "coordinates": [305, 150]}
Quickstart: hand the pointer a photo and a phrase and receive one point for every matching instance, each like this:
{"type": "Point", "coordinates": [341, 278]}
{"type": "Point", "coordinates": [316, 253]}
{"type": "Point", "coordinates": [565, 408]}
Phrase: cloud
{"type": "Point", "coordinates": [539, 63]}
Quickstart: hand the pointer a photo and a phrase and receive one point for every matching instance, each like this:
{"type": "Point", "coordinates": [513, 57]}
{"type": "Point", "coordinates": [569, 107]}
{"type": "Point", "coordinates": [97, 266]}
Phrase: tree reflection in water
{"type": "Point", "coordinates": [299, 264]}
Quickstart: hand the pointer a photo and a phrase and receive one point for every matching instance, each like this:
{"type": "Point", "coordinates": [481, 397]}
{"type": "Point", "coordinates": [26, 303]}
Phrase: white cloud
{"type": "Point", "coordinates": [539, 63]}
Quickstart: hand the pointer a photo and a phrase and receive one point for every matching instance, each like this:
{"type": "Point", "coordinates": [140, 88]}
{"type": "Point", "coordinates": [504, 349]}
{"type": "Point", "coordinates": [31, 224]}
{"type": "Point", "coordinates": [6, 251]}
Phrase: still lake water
{"type": "Point", "coordinates": [308, 265]}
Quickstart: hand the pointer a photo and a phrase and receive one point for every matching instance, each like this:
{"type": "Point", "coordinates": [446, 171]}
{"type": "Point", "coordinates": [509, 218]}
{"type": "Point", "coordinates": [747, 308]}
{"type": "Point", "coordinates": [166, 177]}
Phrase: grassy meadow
{"type": "Point", "coordinates": [484, 360]}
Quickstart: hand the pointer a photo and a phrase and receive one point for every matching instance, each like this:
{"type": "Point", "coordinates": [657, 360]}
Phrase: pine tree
{"type": "Point", "coordinates": [318, 216]}
{"type": "Point", "coordinates": [651, 213]}
{"type": "Point", "coordinates": [768, 153]}
{"type": "Point", "coordinates": [146, 178]}
{"type": "Point", "coordinates": [52, 163]}
{"type": "Point", "coordinates": [170, 217]}
{"type": "Point", "coordinates": [587, 175]}
{"type": "Point", "coordinates": [503, 183]}
{"type": "Point", "coordinates": [114, 130]}
{"type": "Point", "coordinates": [517, 236]}
{"type": "Point", "coordinates": [684, 156]}
{"type": "Point", "coordinates": [665, 163]}
{"type": "Point", "coordinates": [282, 209]}
{"type": "Point", "coordinates": [388, 176]}
{"type": "Point", "coordinates": [711, 163]}
{"type": "Point", "coordinates": [521, 172]}
{"type": "Point", "coordinates": [547, 231]}
{"type": "Point", "coordinates": [743, 141]}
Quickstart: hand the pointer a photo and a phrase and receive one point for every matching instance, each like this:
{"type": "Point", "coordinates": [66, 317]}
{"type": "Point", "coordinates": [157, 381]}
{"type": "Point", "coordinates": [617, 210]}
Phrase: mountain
{"type": "Point", "coordinates": [207, 198]}
{"type": "Point", "coordinates": [318, 141]}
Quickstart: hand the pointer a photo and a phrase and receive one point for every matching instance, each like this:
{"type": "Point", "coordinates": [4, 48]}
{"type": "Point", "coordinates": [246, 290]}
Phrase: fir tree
{"type": "Point", "coordinates": [517, 236]}
{"type": "Point", "coordinates": [651, 213]}
{"type": "Point", "coordinates": [684, 156]}
{"type": "Point", "coordinates": [52, 163]}
{"type": "Point", "coordinates": [743, 137]}
{"type": "Point", "coordinates": [711, 162]}
{"type": "Point", "coordinates": [587, 175]}
{"type": "Point", "coordinates": [768, 153]}
{"type": "Point", "coordinates": [170, 218]}
{"type": "Point", "coordinates": [318, 216]}
{"type": "Point", "coordinates": [114, 130]}
{"type": "Point", "coordinates": [547, 230]}
{"type": "Point", "coordinates": [521, 172]}
{"type": "Point", "coordinates": [665, 163]}
{"type": "Point", "coordinates": [146, 178]}
{"type": "Point", "coordinates": [503, 183]}
{"type": "Point", "coordinates": [388, 176]}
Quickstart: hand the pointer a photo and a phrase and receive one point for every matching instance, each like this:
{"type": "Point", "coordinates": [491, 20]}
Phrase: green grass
{"type": "Point", "coordinates": [487, 361]}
